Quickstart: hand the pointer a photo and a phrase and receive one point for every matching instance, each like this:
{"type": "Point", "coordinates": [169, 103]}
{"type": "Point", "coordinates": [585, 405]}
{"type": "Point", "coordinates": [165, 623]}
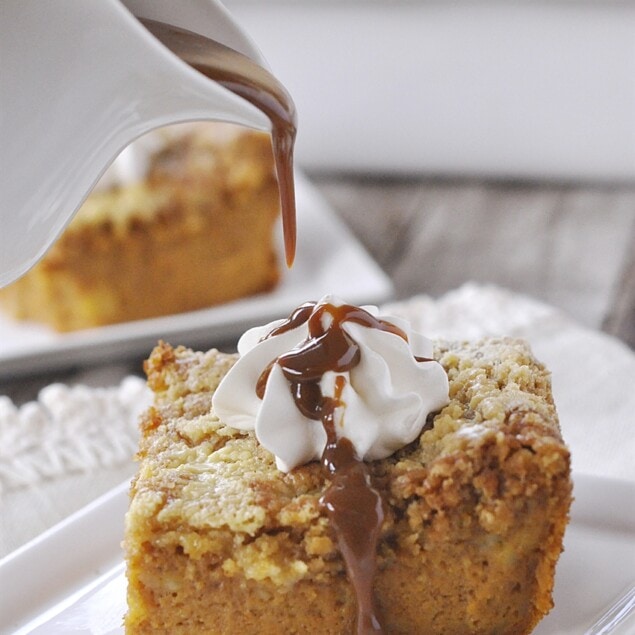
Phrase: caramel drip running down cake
{"type": "Point", "coordinates": [343, 474]}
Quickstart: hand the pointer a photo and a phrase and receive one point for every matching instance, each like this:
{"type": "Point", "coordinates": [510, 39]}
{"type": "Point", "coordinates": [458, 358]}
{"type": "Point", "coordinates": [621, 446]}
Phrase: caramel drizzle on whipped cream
{"type": "Point", "coordinates": [353, 505]}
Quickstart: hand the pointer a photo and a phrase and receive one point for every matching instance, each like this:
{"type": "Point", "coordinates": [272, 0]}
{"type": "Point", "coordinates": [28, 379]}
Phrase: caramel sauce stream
{"type": "Point", "coordinates": [248, 80]}
{"type": "Point", "coordinates": [353, 505]}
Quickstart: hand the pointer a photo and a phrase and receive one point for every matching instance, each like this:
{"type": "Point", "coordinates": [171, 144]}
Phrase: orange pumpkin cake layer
{"type": "Point", "coordinates": [196, 232]}
{"type": "Point", "coordinates": [218, 540]}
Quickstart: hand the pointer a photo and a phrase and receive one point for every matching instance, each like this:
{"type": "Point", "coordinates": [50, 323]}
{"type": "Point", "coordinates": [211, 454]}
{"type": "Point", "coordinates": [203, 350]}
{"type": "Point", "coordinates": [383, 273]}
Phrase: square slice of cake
{"type": "Point", "coordinates": [219, 540]}
{"type": "Point", "coordinates": [194, 230]}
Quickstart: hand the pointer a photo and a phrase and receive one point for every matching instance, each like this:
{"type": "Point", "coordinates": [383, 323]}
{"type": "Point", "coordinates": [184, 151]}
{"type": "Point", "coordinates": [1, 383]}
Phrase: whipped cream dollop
{"type": "Point", "coordinates": [380, 403]}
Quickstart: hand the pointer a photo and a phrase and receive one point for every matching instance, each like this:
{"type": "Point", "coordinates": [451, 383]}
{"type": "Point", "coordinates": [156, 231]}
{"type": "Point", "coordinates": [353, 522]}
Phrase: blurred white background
{"type": "Point", "coordinates": [498, 88]}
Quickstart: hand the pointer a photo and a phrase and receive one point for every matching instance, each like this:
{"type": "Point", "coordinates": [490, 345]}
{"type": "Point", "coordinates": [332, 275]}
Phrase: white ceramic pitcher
{"type": "Point", "coordinates": [80, 80]}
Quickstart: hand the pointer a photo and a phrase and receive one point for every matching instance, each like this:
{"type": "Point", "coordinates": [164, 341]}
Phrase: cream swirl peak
{"type": "Point", "coordinates": [377, 372]}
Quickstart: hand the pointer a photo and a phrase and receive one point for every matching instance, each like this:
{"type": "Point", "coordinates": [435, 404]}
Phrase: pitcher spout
{"type": "Point", "coordinates": [83, 80]}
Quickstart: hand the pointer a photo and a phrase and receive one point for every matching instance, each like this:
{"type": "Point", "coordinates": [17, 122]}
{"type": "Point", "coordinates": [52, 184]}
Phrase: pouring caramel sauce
{"type": "Point", "coordinates": [353, 505]}
{"type": "Point", "coordinates": [245, 78]}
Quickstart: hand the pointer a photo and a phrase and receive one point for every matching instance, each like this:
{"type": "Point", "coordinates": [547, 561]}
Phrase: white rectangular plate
{"type": "Point", "coordinates": [71, 579]}
{"type": "Point", "coordinates": [329, 260]}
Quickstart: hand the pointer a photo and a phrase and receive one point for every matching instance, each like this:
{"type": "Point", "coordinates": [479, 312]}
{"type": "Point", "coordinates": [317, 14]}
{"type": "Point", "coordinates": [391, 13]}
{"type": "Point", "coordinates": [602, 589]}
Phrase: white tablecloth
{"type": "Point", "coordinates": [73, 444]}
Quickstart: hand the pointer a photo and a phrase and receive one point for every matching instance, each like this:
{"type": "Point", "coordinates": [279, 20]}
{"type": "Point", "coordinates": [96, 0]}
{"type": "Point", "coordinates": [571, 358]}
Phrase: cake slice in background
{"type": "Point", "coordinates": [184, 223]}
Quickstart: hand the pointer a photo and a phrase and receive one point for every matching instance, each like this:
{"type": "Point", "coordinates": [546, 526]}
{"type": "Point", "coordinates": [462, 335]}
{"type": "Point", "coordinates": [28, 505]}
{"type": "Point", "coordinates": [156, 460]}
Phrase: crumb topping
{"type": "Point", "coordinates": [219, 171]}
{"type": "Point", "coordinates": [496, 447]}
